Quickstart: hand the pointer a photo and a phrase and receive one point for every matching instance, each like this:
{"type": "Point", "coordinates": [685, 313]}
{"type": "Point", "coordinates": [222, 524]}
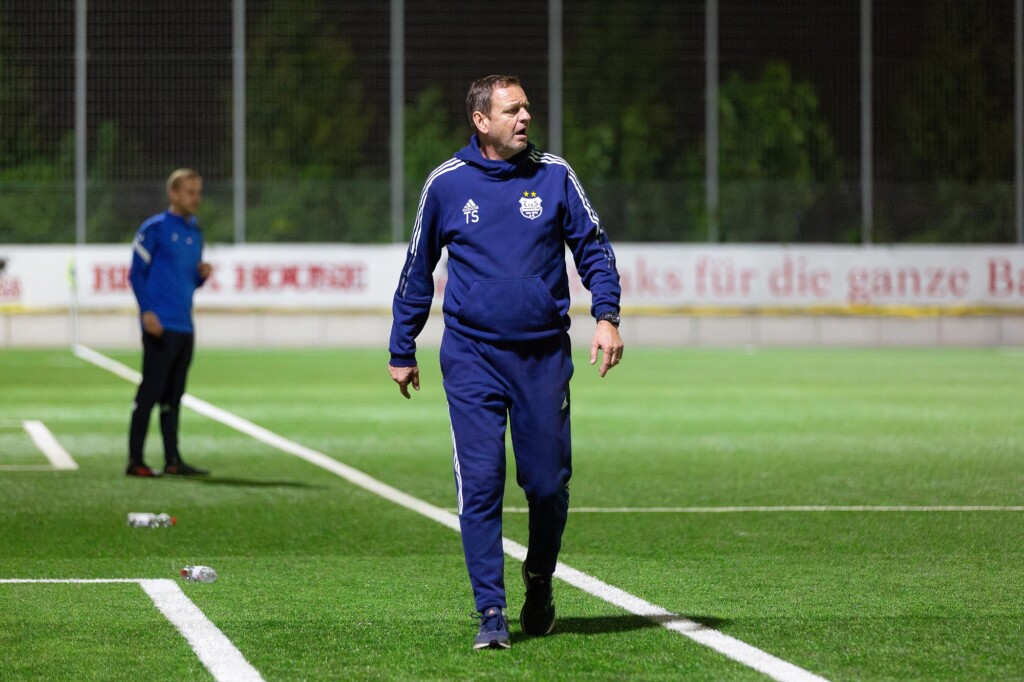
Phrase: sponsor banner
{"type": "Point", "coordinates": [655, 277]}
{"type": "Point", "coordinates": [262, 276]}
{"type": "Point", "coordinates": [35, 277]}
{"type": "Point", "coordinates": [821, 277]}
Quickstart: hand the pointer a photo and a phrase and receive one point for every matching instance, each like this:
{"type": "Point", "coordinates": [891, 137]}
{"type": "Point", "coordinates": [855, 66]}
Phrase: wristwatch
{"type": "Point", "coordinates": [609, 317]}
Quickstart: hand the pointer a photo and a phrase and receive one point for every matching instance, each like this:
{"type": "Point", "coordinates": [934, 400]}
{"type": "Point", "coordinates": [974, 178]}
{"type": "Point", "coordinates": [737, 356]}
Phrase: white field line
{"type": "Point", "coordinates": [785, 508]}
{"type": "Point", "coordinates": [109, 364]}
{"type": "Point", "coordinates": [224, 661]}
{"type": "Point", "coordinates": [741, 652]}
{"type": "Point", "coordinates": [48, 445]}
{"type": "Point", "coordinates": [216, 652]}
{"type": "Point", "coordinates": [84, 581]}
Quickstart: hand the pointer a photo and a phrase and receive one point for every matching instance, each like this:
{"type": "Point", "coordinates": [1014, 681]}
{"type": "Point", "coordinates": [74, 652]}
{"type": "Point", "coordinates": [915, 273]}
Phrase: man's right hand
{"type": "Point", "coordinates": [151, 324]}
{"type": "Point", "coordinates": [403, 376]}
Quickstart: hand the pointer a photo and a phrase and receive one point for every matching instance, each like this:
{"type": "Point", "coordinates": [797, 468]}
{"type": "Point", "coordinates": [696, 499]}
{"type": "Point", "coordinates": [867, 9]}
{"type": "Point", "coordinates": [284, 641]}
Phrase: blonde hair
{"type": "Point", "coordinates": [178, 176]}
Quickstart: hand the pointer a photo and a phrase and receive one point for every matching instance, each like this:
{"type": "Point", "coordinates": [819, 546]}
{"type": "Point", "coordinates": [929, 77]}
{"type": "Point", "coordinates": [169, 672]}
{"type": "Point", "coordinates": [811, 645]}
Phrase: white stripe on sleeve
{"type": "Point", "coordinates": [141, 250]}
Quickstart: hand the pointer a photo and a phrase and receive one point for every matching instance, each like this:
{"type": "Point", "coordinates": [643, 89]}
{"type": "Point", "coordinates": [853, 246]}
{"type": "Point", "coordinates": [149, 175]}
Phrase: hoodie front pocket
{"type": "Point", "coordinates": [510, 306]}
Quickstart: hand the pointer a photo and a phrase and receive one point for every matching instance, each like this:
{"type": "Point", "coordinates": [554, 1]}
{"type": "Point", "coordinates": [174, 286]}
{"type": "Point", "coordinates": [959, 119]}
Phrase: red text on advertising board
{"type": "Point", "coordinates": [304, 277]}
{"type": "Point", "coordinates": [796, 278]}
{"type": "Point", "coordinates": [10, 289]}
{"type": "Point", "coordinates": [871, 285]}
{"type": "Point", "coordinates": [718, 277]}
{"type": "Point", "coordinates": [113, 279]}
{"type": "Point", "coordinates": [108, 279]}
{"type": "Point", "coordinates": [1002, 280]}
{"type": "Point", "coordinates": [645, 279]}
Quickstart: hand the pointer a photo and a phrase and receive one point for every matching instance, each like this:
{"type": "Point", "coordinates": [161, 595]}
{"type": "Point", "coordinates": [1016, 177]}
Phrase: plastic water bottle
{"type": "Point", "coordinates": [199, 574]}
{"type": "Point", "coordinates": [148, 520]}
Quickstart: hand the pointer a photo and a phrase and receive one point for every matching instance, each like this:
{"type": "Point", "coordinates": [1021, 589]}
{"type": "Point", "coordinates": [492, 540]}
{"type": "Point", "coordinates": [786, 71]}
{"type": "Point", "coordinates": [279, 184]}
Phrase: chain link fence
{"type": "Point", "coordinates": [631, 117]}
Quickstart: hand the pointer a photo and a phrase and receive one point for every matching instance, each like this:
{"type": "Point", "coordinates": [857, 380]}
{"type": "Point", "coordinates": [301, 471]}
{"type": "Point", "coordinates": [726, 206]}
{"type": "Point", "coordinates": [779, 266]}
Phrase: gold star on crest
{"type": "Point", "coordinates": [526, 194]}
{"type": "Point", "coordinates": [533, 194]}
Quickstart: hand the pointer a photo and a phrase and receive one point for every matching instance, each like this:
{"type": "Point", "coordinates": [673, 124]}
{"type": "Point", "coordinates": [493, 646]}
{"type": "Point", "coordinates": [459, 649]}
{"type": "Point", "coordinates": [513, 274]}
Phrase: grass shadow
{"type": "Point", "coordinates": [245, 482]}
{"type": "Point", "coordinates": [604, 625]}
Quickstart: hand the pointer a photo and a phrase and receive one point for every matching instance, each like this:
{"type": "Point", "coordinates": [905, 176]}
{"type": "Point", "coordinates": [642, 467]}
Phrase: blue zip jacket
{"type": "Point", "coordinates": [165, 269]}
{"type": "Point", "coordinates": [506, 224]}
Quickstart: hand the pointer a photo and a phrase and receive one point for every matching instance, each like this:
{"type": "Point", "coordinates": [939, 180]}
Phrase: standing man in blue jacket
{"type": "Point", "coordinates": [506, 211]}
{"type": "Point", "coordinates": [167, 268]}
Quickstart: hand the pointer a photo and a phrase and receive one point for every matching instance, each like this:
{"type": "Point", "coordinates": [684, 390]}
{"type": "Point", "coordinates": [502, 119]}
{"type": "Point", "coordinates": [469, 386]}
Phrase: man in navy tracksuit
{"type": "Point", "coordinates": [167, 268]}
{"type": "Point", "coordinates": [506, 212]}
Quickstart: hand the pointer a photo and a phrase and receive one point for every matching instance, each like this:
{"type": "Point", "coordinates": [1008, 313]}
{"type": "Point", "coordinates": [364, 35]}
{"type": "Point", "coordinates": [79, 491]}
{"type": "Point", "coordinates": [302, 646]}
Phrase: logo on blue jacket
{"type": "Point", "coordinates": [529, 205]}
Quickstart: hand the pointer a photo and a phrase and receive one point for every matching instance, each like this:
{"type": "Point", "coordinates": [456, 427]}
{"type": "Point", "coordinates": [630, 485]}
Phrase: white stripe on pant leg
{"type": "Point", "coordinates": [458, 475]}
{"type": "Point", "coordinates": [455, 464]}
{"type": "Point", "coordinates": [217, 653]}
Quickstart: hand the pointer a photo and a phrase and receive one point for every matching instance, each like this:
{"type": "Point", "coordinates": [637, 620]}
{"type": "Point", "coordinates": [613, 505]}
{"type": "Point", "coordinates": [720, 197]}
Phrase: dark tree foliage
{"type": "Point", "coordinates": [633, 106]}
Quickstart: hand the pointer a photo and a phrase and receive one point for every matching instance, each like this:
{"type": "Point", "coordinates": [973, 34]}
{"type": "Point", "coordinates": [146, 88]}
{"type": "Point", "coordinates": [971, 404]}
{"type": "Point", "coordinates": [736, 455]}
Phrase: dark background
{"type": "Point", "coordinates": [159, 85]}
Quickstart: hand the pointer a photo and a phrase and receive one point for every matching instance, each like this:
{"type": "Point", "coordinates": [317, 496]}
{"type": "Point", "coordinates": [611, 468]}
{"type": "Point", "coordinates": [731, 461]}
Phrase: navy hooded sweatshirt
{"type": "Point", "coordinates": [505, 224]}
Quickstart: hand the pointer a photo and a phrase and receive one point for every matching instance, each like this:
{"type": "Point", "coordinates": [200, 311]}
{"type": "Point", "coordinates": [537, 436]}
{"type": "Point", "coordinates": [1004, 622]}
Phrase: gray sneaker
{"type": "Point", "coordinates": [493, 630]}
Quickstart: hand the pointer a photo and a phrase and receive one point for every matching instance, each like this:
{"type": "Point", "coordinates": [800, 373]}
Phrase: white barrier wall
{"type": "Point", "coordinates": [673, 294]}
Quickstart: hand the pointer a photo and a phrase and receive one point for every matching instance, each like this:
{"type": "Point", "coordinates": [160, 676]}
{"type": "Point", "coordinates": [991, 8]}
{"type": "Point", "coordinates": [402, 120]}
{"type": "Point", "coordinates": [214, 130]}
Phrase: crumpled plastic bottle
{"type": "Point", "coordinates": [148, 520]}
{"type": "Point", "coordinates": [199, 574]}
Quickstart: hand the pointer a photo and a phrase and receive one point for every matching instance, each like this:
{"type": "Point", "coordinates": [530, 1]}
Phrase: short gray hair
{"type": "Point", "coordinates": [479, 96]}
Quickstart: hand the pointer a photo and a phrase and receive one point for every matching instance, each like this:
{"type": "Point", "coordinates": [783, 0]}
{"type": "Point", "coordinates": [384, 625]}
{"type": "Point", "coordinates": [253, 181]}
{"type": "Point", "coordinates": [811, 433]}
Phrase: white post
{"type": "Point", "coordinates": [555, 80]}
{"type": "Point", "coordinates": [711, 116]}
{"type": "Point", "coordinates": [238, 115]}
{"type": "Point", "coordinates": [81, 167]}
{"type": "Point", "coordinates": [81, 130]}
{"type": "Point", "coordinates": [1018, 118]}
{"type": "Point", "coordinates": [867, 198]}
{"type": "Point", "coordinates": [397, 136]}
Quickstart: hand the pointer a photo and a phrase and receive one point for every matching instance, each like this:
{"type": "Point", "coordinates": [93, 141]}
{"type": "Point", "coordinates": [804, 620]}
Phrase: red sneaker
{"type": "Point", "coordinates": [141, 470]}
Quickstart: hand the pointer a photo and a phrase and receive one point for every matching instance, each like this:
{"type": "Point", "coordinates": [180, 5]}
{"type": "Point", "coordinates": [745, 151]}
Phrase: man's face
{"type": "Point", "coordinates": [186, 198]}
{"type": "Point", "coordinates": [503, 131]}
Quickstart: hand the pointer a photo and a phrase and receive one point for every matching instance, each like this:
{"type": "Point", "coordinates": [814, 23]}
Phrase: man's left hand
{"type": "Point", "coordinates": [608, 341]}
{"type": "Point", "coordinates": [403, 376]}
{"type": "Point", "coordinates": [204, 270]}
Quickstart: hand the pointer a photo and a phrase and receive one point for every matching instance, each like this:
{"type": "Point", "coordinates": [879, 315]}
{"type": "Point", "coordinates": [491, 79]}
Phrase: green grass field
{"type": "Point", "coordinates": [320, 579]}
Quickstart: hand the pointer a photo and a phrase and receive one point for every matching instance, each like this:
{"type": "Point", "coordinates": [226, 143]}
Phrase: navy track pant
{"type": "Point", "coordinates": [165, 362]}
{"type": "Point", "coordinates": [524, 385]}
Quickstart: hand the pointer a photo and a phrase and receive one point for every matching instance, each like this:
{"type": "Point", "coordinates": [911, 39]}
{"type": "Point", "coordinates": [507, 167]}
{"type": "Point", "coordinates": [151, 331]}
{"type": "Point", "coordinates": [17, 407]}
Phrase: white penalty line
{"type": "Point", "coordinates": [48, 445]}
{"type": "Point", "coordinates": [216, 652]}
{"type": "Point", "coordinates": [44, 440]}
{"type": "Point", "coordinates": [783, 508]}
{"type": "Point", "coordinates": [741, 652]}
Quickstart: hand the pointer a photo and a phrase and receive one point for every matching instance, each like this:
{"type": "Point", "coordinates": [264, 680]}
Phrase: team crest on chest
{"type": "Point", "coordinates": [529, 205]}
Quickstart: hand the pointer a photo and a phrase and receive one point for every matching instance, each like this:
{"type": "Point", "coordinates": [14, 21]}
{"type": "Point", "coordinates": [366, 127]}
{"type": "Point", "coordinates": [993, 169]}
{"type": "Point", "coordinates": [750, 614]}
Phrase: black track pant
{"type": "Point", "coordinates": [165, 362]}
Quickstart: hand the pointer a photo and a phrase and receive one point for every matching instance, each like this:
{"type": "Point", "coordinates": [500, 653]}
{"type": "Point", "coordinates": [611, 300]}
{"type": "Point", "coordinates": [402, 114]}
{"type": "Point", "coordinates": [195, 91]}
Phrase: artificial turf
{"type": "Point", "coordinates": [320, 579]}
